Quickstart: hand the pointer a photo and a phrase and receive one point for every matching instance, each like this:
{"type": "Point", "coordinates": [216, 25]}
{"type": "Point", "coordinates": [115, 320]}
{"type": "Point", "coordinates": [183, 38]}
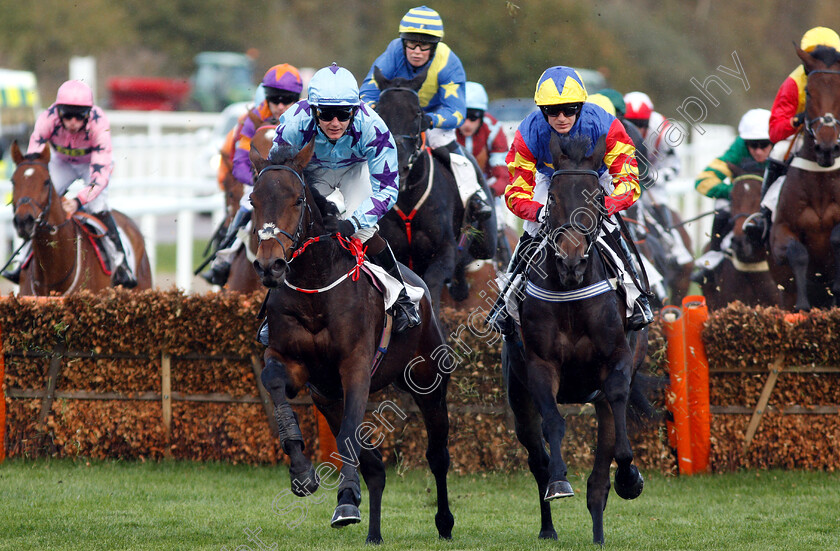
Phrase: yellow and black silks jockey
{"type": "Point", "coordinates": [564, 109]}
{"type": "Point", "coordinates": [442, 97]}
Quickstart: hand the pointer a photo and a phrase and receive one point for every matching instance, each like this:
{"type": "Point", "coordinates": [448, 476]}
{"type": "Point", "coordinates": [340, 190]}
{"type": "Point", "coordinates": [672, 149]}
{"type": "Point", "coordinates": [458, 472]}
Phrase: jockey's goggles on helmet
{"type": "Point", "coordinates": [475, 114]}
{"type": "Point", "coordinates": [343, 113]}
{"type": "Point", "coordinates": [286, 98]}
{"type": "Point", "coordinates": [758, 144]}
{"type": "Point", "coordinates": [68, 112]}
{"type": "Point", "coordinates": [568, 109]}
{"type": "Point", "coordinates": [413, 45]}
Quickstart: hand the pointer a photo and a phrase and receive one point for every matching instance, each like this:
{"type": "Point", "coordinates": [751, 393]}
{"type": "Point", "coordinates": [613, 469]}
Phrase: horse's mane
{"type": "Point", "coordinates": [282, 153]}
{"type": "Point", "coordinates": [827, 55]}
{"type": "Point", "coordinates": [575, 148]}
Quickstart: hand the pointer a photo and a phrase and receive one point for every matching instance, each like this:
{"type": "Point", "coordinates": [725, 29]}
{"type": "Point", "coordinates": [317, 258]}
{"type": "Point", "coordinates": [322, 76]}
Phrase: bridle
{"type": "Point", "coordinates": [829, 119]}
{"type": "Point", "coordinates": [589, 233]}
{"type": "Point", "coordinates": [415, 140]}
{"type": "Point", "coordinates": [43, 209]}
{"type": "Point", "coordinates": [269, 231]}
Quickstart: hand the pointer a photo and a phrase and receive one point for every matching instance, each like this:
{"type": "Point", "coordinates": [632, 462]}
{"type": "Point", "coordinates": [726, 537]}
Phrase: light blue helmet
{"type": "Point", "coordinates": [259, 95]}
{"type": "Point", "coordinates": [333, 86]}
{"type": "Point", "coordinates": [476, 96]}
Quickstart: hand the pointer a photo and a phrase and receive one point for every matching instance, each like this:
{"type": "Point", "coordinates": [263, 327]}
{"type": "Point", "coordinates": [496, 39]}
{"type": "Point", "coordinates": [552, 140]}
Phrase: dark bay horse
{"type": "Point", "coordinates": [326, 324]}
{"type": "Point", "coordinates": [743, 274]}
{"type": "Point", "coordinates": [805, 235]}
{"type": "Point", "coordinates": [65, 258]}
{"type": "Point", "coordinates": [573, 350]}
{"type": "Point", "coordinates": [425, 227]}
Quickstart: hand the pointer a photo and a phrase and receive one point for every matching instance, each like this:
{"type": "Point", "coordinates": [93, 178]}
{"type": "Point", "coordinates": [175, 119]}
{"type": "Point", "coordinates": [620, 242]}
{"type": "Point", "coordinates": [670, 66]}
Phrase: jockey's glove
{"type": "Point", "coordinates": [430, 122]}
{"type": "Point", "coordinates": [334, 224]}
{"type": "Point", "coordinates": [798, 119]}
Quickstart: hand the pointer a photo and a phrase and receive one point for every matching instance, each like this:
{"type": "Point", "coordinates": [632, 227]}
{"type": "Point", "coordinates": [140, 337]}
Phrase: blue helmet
{"type": "Point", "coordinates": [476, 96]}
{"type": "Point", "coordinates": [333, 86]}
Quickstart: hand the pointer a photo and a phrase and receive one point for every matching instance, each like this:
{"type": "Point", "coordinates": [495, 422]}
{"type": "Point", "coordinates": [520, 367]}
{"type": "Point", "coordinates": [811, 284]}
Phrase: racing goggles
{"type": "Point", "coordinates": [568, 109]}
{"type": "Point", "coordinates": [475, 114]}
{"type": "Point", "coordinates": [68, 112]}
{"type": "Point", "coordinates": [286, 98]}
{"type": "Point", "coordinates": [343, 113]}
{"type": "Point", "coordinates": [413, 45]}
{"type": "Point", "coordinates": [758, 144]}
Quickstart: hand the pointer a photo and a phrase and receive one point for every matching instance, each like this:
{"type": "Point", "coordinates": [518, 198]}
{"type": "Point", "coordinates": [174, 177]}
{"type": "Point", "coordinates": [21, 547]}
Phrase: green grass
{"type": "Point", "coordinates": [64, 504]}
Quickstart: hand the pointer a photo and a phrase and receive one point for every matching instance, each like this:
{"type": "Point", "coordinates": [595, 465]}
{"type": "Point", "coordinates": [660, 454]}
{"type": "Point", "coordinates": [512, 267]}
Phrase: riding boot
{"type": "Point", "coordinates": [757, 228]}
{"type": "Point", "coordinates": [404, 312]}
{"type": "Point", "coordinates": [478, 205]}
{"type": "Point", "coordinates": [121, 272]}
{"type": "Point", "coordinates": [220, 268]}
{"type": "Point", "coordinates": [642, 314]}
{"type": "Point", "coordinates": [13, 273]}
{"type": "Point", "coordinates": [719, 229]}
{"type": "Point", "coordinates": [501, 320]}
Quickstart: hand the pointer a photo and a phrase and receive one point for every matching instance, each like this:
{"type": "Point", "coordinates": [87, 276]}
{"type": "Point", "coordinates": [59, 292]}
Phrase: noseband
{"type": "Point", "coordinates": [829, 119]}
{"type": "Point", "coordinates": [415, 139]}
{"type": "Point", "coordinates": [269, 231]}
{"type": "Point", "coordinates": [590, 234]}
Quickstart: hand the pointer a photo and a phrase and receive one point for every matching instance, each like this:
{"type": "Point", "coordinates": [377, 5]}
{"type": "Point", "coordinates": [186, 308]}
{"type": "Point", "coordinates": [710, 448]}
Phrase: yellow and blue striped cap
{"type": "Point", "coordinates": [422, 20]}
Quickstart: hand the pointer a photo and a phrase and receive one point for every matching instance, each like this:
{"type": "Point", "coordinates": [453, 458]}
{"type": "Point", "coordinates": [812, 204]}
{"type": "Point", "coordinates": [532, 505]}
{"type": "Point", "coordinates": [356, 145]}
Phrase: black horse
{"type": "Point", "coordinates": [327, 338]}
{"type": "Point", "coordinates": [424, 229]}
{"type": "Point", "coordinates": [573, 350]}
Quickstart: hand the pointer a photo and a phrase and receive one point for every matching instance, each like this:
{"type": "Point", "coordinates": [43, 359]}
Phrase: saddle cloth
{"type": "Point", "coordinates": [389, 286]}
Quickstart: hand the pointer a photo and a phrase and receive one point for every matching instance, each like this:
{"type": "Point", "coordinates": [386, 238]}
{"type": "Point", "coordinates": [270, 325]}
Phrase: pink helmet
{"type": "Point", "coordinates": [74, 92]}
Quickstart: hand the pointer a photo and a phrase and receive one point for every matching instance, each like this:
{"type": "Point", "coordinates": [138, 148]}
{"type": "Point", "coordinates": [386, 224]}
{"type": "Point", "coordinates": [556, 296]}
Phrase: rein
{"type": "Point", "coordinates": [353, 245]}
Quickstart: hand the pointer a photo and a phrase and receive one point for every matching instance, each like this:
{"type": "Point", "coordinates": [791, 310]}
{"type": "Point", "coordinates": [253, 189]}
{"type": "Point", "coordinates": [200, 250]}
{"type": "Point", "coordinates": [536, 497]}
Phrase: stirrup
{"type": "Point", "coordinates": [12, 274]}
{"type": "Point", "coordinates": [479, 209]}
{"type": "Point", "coordinates": [756, 227]}
{"type": "Point", "coordinates": [642, 315]}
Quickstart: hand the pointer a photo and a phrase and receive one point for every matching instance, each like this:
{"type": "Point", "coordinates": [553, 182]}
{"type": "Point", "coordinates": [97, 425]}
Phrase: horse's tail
{"type": "Point", "coordinates": [644, 404]}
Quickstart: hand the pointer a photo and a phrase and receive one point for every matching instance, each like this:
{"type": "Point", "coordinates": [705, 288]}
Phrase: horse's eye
{"type": "Point", "coordinates": [299, 201]}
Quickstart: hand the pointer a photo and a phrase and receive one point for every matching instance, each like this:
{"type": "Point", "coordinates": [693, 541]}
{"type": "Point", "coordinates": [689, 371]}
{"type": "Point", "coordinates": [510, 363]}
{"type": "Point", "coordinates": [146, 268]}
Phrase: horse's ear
{"type": "Point", "coordinates": [555, 147]}
{"type": "Point", "coordinates": [45, 154]}
{"type": "Point", "coordinates": [255, 119]}
{"type": "Point", "coordinates": [17, 156]}
{"type": "Point", "coordinates": [256, 159]}
{"type": "Point", "coordinates": [807, 59]}
{"type": "Point", "coordinates": [380, 79]}
{"type": "Point", "coordinates": [302, 159]}
{"type": "Point", "coordinates": [599, 151]}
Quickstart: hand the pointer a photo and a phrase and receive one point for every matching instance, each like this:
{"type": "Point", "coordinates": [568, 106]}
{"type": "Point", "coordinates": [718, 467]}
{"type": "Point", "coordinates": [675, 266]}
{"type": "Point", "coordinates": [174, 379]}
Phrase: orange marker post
{"type": "Point", "coordinates": [326, 441]}
{"type": "Point", "coordinates": [695, 315]}
{"type": "Point", "coordinates": [677, 398]}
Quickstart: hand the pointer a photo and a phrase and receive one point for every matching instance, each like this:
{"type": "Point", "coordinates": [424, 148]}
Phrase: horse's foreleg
{"type": "Point", "coordinates": [439, 271]}
{"type": "Point", "coordinates": [436, 418]}
{"type": "Point", "coordinates": [371, 467]}
{"type": "Point", "coordinates": [598, 483]}
{"type": "Point", "coordinates": [528, 432]}
{"type": "Point", "coordinates": [275, 379]}
{"type": "Point", "coordinates": [356, 390]}
{"type": "Point", "coordinates": [628, 481]}
{"type": "Point", "coordinates": [835, 247]}
{"type": "Point", "coordinates": [543, 385]}
{"type": "Point", "coordinates": [786, 249]}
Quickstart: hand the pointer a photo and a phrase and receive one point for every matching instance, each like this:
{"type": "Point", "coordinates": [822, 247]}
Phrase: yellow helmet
{"type": "Point", "coordinates": [602, 101]}
{"type": "Point", "coordinates": [559, 85]}
{"type": "Point", "coordinates": [820, 36]}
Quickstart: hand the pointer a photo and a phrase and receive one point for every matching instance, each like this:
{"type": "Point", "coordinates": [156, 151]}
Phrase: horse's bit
{"type": "Point", "coordinates": [269, 231]}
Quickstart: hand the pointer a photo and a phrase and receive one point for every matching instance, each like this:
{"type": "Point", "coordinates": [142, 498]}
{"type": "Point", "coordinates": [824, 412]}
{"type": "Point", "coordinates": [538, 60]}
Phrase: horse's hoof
{"type": "Point", "coordinates": [459, 290]}
{"type": "Point", "coordinates": [548, 535]}
{"type": "Point", "coordinates": [444, 523]}
{"type": "Point", "coordinates": [558, 489]}
{"type": "Point", "coordinates": [630, 484]}
{"type": "Point", "coordinates": [374, 540]}
{"type": "Point", "coordinates": [304, 484]}
{"type": "Point", "coordinates": [345, 515]}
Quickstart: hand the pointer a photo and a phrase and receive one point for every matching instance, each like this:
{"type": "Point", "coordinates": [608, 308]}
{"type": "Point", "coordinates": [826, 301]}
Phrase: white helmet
{"type": "Point", "coordinates": [755, 125]}
{"type": "Point", "coordinates": [333, 86]}
{"type": "Point", "coordinates": [476, 96]}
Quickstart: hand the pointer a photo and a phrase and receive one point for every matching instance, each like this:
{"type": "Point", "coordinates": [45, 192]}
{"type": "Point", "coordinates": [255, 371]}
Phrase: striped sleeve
{"type": "Point", "coordinates": [522, 169]}
{"type": "Point", "coordinates": [620, 160]}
